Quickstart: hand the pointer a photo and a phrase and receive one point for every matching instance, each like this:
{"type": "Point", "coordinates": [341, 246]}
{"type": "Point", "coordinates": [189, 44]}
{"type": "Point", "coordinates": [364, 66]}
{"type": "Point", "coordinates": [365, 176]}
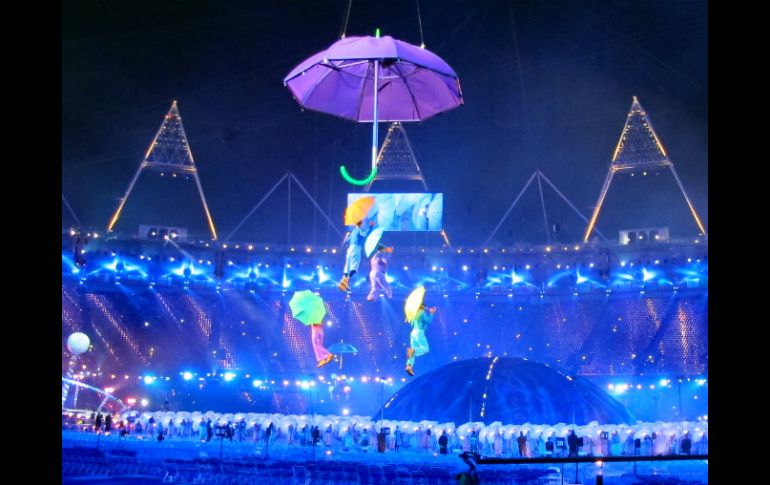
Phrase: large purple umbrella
{"type": "Point", "coordinates": [375, 79]}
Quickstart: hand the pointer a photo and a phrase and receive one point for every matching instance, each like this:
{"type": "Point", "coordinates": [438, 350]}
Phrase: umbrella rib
{"type": "Point", "coordinates": [320, 80]}
{"type": "Point", "coordinates": [409, 90]}
{"type": "Point", "coordinates": [363, 89]}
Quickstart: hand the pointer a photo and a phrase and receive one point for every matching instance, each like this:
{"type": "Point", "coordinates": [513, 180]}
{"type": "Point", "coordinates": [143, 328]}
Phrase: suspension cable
{"type": "Point", "coordinates": [345, 20]}
{"type": "Point", "coordinates": [419, 23]}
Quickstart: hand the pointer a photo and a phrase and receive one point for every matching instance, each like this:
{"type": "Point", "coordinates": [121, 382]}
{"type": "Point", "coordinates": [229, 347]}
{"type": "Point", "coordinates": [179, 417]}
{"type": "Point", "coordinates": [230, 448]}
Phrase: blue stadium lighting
{"type": "Point", "coordinates": [665, 382]}
{"type": "Point", "coordinates": [465, 267]}
{"type": "Point", "coordinates": [700, 382]}
{"type": "Point", "coordinates": [149, 379]}
{"type": "Point", "coordinates": [229, 376]}
{"type": "Point", "coordinates": [621, 388]}
{"type": "Point", "coordinates": [187, 267]}
{"type": "Point", "coordinates": [516, 279]}
{"type": "Point", "coordinates": [647, 275]}
{"type": "Point", "coordinates": [322, 276]}
{"type": "Point", "coordinates": [113, 266]}
{"type": "Point", "coordinates": [307, 277]}
{"type": "Point", "coordinates": [257, 383]}
{"type": "Point", "coordinates": [558, 276]}
{"type": "Point", "coordinates": [623, 263]}
{"type": "Point", "coordinates": [187, 375]}
{"type": "Point", "coordinates": [492, 280]}
{"type": "Point", "coordinates": [581, 278]}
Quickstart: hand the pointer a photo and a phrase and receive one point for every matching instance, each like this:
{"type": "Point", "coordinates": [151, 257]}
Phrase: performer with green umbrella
{"type": "Point", "coordinates": [419, 316]}
{"type": "Point", "coordinates": [309, 308]}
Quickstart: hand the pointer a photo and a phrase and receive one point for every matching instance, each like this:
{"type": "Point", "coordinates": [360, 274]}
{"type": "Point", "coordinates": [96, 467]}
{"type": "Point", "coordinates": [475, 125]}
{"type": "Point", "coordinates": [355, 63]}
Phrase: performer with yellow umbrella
{"type": "Point", "coordinates": [309, 308]}
{"type": "Point", "coordinates": [419, 317]}
{"type": "Point", "coordinates": [355, 215]}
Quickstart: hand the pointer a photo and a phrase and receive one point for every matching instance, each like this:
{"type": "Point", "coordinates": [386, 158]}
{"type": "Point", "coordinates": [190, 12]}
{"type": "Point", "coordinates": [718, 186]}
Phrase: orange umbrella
{"type": "Point", "coordinates": [358, 210]}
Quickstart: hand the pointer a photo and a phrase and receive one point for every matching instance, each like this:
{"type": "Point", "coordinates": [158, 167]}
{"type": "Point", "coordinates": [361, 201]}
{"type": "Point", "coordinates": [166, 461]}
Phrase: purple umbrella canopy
{"type": "Point", "coordinates": [413, 83]}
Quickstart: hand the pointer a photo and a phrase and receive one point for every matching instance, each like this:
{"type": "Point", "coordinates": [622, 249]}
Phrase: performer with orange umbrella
{"type": "Point", "coordinates": [355, 214]}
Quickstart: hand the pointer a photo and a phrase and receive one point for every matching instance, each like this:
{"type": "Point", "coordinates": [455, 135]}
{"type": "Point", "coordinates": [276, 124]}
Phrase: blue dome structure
{"type": "Point", "coordinates": [506, 389]}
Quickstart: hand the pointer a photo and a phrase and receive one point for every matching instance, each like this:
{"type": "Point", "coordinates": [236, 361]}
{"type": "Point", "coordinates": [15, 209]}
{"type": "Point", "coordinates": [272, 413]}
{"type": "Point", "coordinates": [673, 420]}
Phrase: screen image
{"type": "Point", "coordinates": [406, 212]}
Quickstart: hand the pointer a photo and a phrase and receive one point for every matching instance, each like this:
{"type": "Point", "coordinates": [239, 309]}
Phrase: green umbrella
{"type": "Point", "coordinates": [307, 307]}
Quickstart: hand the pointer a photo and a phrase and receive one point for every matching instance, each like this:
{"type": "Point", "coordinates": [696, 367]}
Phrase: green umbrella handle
{"type": "Point", "coordinates": [353, 181]}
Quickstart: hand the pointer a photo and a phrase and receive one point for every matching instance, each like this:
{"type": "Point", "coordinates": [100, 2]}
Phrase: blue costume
{"type": "Point", "coordinates": [355, 246]}
{"type": "Point", "coordinates": [418, 343]}
{"type": "Point", "coordinates": [355, 240]}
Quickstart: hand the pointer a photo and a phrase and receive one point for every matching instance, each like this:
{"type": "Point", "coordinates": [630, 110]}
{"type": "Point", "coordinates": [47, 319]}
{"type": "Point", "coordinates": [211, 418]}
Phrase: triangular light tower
{"type": "Point", "coordinates": [638, 149]}
{"type": "Point", "coordinates": [168, 152]}
{"type": "Point", "coordinates": [396, 160]}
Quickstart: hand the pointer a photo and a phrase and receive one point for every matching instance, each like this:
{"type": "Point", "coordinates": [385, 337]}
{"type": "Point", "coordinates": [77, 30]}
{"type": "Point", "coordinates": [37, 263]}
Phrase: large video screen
{"type": "Point", "coordinates": [406, 212]}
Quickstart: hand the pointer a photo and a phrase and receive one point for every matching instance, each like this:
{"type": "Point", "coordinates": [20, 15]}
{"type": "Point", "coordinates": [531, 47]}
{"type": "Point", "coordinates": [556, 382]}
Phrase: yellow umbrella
{"type": "Point", "coordinates": [413, 303]}
{"type": "Point", "coordinates": [358, 210]}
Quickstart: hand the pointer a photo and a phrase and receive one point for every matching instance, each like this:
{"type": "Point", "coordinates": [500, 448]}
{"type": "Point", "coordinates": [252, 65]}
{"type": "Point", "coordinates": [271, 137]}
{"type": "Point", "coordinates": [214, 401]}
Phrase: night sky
{"type": "Point", "coordinates": [547, 85]}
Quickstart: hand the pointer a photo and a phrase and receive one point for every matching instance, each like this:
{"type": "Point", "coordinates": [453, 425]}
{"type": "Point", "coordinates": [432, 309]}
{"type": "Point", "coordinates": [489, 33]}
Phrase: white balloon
{"type": "Point", "coordinates": [78, 343]}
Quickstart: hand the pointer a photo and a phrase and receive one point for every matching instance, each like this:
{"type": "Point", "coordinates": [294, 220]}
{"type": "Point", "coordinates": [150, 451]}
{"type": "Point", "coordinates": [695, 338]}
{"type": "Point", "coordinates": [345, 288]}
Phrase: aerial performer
{"type": "Point", "coordinates": [322, 355]}
{"type": "Point", "coordinates": [379, 261]}
{"type": "Point", "coordinates": [418, 343]}
{"type": "Point", "coordinates": [355, 239]}
{"type": "Point", "coordinates": [377, 274]}
{"type": "Point", "coordinates": [309, 308]}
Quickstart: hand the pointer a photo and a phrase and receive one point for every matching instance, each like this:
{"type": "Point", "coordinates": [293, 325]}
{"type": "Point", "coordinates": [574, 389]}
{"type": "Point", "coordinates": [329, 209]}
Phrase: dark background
{"type": "Point", "coordinates": [547, 85]}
